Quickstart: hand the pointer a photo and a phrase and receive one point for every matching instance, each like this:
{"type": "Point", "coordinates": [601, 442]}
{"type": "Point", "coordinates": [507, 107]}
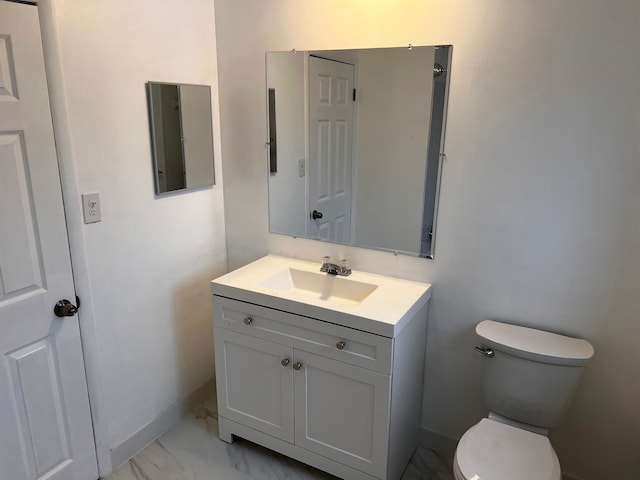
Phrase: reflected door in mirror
{"type": "Point", "coordinates": [330, 149]}
{"type": "Point", "coordinates": [168, 134]}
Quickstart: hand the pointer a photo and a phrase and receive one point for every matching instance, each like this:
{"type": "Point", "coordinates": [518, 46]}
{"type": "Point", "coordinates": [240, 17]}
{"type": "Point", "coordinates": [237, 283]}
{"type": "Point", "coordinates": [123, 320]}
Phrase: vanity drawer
{"type": "Point", "coordinates": [347, 345]}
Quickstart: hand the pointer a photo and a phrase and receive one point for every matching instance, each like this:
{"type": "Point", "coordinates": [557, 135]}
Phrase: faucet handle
{"type": "Point", "coordinates": [345, 265]}
{"type": "Point", "coordinates": [326, 261]}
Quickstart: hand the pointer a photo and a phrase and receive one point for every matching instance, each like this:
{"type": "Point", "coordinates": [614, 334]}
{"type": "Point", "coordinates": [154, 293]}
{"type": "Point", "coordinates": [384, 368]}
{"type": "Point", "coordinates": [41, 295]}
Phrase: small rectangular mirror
{"type": "Point", "coordinates": [182, 136]}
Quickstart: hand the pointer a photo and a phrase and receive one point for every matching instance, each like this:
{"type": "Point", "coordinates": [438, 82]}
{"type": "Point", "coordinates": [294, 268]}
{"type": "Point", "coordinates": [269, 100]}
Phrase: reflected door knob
{"type": "Point", "coordinates": [64, 308]}
{"type": "Point", "coordinates": [297, 366]}
{"type": "Point", "coordinates": [316, 215]}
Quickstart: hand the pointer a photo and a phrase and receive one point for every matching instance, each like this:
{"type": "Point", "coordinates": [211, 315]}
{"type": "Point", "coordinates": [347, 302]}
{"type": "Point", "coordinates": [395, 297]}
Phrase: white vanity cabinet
{"type": "Point", "coordinates": [342, 399]}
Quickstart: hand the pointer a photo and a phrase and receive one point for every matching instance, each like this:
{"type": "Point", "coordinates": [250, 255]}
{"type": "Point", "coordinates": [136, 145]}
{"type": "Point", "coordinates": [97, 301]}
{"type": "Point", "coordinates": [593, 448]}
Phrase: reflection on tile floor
{"type": "Point", "coordinates": [193, 451]}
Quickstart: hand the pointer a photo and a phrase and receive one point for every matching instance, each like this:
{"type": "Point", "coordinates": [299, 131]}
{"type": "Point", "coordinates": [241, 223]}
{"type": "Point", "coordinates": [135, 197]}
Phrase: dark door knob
{"type": "Point", "coordinates": [64, 308]}
{"type": "Point", "coordinates": [316, 215]}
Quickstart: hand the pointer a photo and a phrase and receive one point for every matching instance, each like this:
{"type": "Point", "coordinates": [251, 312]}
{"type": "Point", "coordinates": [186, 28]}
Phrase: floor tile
{"type": "Point", "coordinates": [193, 451]}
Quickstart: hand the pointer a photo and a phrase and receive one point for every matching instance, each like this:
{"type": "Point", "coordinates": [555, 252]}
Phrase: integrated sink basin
{"type": "Point", "coordinates": [321, 286]}
{"type": "Point", "coordinates": [364, 301]}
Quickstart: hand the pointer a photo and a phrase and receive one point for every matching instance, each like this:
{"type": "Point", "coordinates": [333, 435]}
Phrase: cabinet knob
{"type": "Point", "coordinates": [248, 320]}
{"type": "Point", "coordinates": [297, 366]}
{"type": "Point", "coordinates": [340, 345]}
{"type": "Point", "coordinates": [285, 362]}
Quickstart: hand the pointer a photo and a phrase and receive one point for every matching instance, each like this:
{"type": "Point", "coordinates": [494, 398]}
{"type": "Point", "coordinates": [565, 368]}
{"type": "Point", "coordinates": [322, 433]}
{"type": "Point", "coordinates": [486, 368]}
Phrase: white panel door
{"type": "Point", "coordinates": [254, 381]}
{"type": "Point", "coordinates": [342, 412]}
{"type": "Point", "coordinates": [45, 421]}
{"type": "Point", "coordinates": [330, 149]}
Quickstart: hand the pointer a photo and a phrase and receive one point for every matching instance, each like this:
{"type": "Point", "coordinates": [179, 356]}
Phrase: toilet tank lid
{"type": "Point", "coordinates": [536, 345]}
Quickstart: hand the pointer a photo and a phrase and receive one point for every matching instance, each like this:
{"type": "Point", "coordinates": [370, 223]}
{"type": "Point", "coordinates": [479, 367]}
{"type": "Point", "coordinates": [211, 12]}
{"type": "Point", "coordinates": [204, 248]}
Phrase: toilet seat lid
{"type": "Point", "coordinates": [491, 450]}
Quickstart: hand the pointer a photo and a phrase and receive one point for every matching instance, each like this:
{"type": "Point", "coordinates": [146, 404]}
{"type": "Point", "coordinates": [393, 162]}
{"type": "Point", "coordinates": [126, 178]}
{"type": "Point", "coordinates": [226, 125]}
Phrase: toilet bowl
{"type": "Point", "coordinates": [491, 450]}
{"type": "Point", "coordinates": [529, 378]}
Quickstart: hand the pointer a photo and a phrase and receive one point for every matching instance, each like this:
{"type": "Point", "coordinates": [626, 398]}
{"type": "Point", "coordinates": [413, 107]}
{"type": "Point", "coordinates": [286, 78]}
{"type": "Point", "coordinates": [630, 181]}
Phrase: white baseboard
{"type": "Point", "coordinates": [162, 423]}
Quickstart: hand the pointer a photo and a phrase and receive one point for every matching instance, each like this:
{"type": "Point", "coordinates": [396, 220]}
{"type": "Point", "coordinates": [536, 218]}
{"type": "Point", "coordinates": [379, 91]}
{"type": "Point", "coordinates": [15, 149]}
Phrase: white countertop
{"type": "Point", "coordinates": [384, 312]}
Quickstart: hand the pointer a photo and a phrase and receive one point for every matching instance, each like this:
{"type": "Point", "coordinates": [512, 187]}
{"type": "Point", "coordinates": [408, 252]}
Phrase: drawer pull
{"type": "Point", "coordinates": [340, 345]}
{"type": "Point", "coordinates": [297, 366]}
{"type": "Point", "coordinates": [285, 362]}
{"type": "Point", "coordinates": [248, 320]}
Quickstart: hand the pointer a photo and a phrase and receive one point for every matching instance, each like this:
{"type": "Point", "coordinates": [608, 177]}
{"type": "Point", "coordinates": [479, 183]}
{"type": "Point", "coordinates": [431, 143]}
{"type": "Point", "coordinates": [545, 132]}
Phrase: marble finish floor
{"type": "Point", "coordinates": [193, 451]}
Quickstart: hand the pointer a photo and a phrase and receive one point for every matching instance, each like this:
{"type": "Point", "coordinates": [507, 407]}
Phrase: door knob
{"type": "Point", "coordinates": [297, 366]}
{"type": "Point", "coordinates": [284, 362]}
{"type": "Point", "coordinates": [64, 308]}
{"type": "Point", "coordinates": [316, 215]}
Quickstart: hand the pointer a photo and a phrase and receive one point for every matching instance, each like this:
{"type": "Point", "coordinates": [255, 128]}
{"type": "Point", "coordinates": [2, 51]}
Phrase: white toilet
{"type": "Point", "coordinates": [529, 377]}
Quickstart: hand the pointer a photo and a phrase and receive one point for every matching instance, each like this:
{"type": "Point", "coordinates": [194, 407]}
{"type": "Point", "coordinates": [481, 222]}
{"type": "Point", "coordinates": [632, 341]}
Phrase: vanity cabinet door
{"type": "Point", "coordinates": [342, 412]}
{"type": "Point", "coordinates": [255, 382]}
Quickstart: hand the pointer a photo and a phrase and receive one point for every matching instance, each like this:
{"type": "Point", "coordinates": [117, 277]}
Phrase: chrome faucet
{"type": "Point", "coordinates": [344, 269]}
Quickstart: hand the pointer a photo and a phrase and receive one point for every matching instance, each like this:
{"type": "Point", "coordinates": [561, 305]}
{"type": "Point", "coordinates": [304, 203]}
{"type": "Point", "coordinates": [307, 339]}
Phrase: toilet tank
{"type": "Point", "coordinates": [532, 375]}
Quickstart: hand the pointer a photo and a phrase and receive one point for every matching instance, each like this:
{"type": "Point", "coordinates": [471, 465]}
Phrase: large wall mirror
{"type": "Point", "coordinates": [182, 136]}
{"type": "Point", "coordinates": [356, 141]}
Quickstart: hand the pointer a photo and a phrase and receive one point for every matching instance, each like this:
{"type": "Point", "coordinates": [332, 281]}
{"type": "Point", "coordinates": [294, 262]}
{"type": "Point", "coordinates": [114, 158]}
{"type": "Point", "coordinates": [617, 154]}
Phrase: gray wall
{"type": "Point", "coordinates": [540, 212]}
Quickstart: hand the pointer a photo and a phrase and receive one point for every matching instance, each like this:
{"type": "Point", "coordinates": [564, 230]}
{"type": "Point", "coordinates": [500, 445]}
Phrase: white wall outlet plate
{"type": "Point", "coordinates": [91, 207]}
